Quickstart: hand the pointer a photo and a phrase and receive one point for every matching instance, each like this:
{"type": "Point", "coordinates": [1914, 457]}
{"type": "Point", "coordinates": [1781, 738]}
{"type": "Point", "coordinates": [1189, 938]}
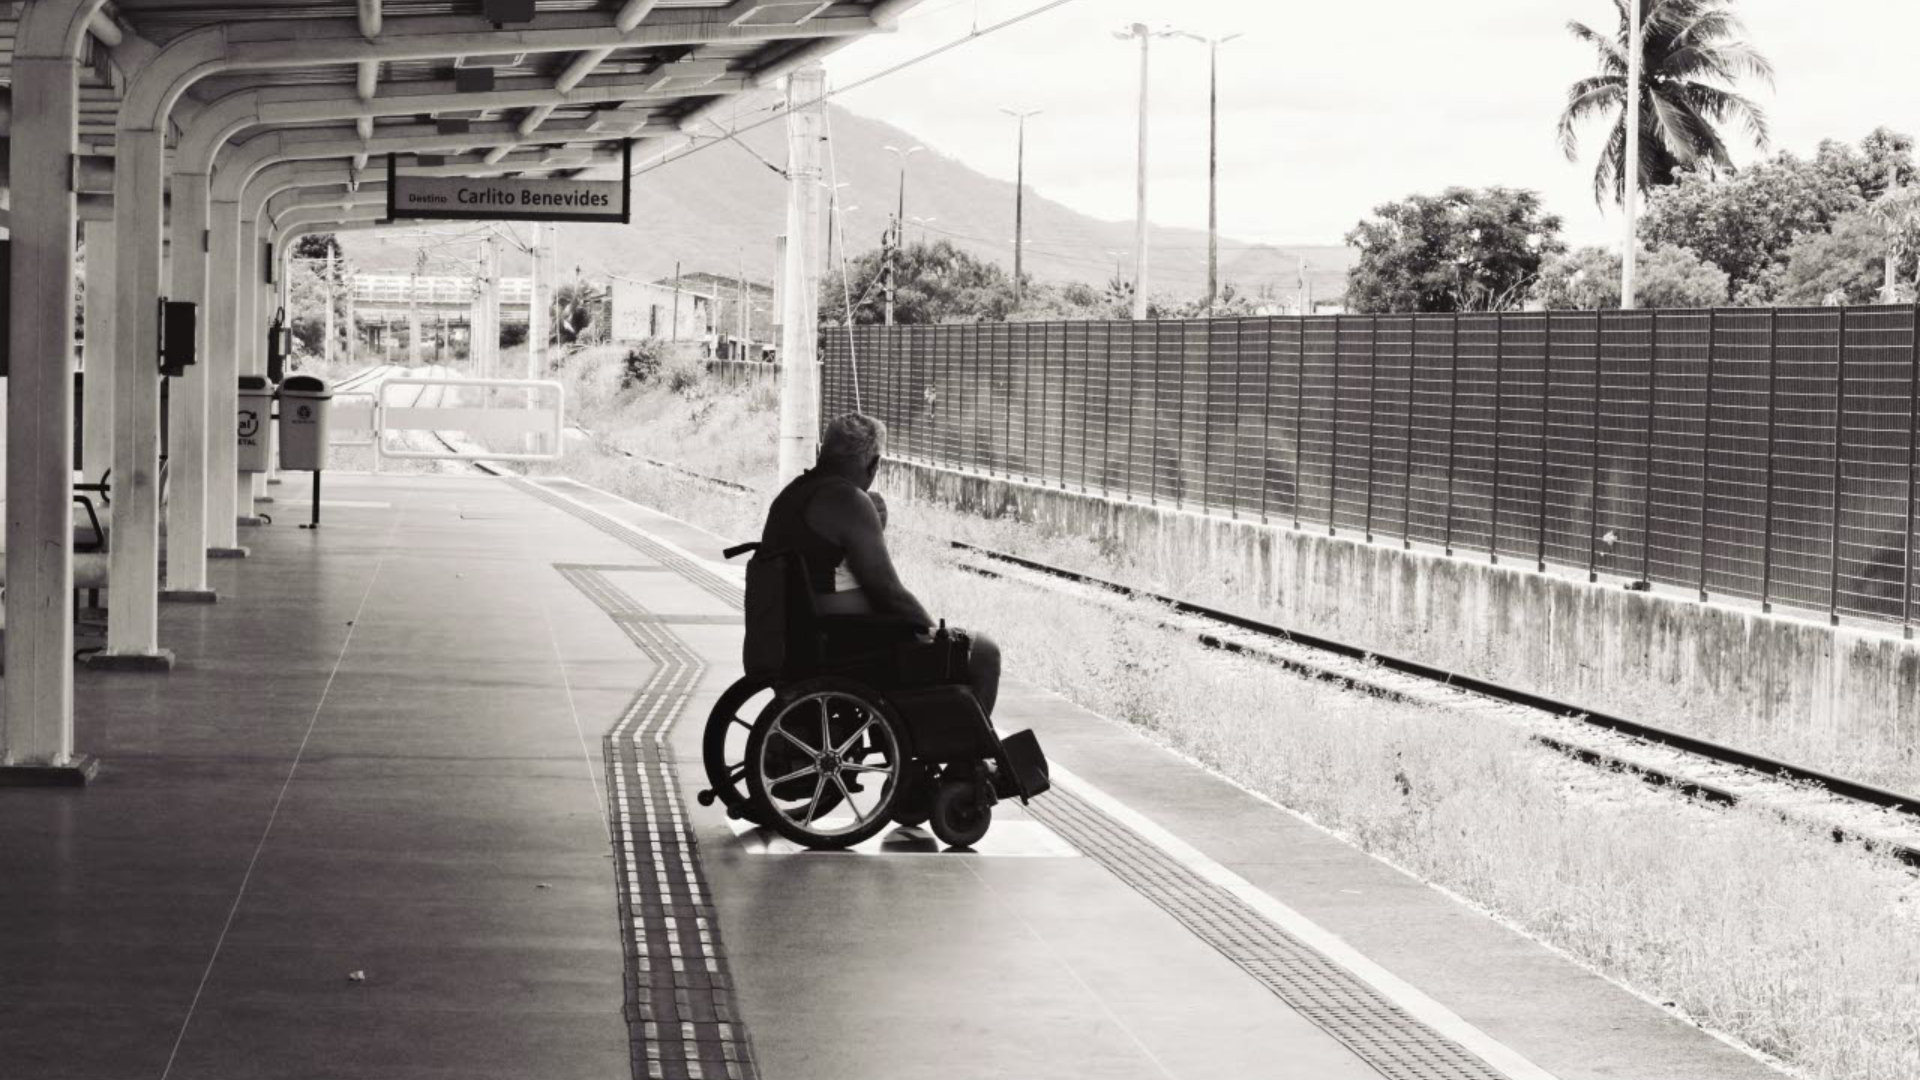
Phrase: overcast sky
{"type": "Point", "coordinates": [1329, 109]}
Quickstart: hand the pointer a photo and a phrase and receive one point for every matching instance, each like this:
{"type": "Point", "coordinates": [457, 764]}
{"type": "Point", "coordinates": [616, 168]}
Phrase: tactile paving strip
{"type": "Point", "coordinates": [1386, 1037]}
{"type": "Point", "coordinates": [1382, 1034]}
{"type": "Point", "coordinates": [681, 1019]}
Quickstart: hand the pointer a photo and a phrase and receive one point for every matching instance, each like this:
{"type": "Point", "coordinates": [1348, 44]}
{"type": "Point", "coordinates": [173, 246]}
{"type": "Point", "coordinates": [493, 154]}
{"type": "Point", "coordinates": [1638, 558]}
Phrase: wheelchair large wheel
{"type": "Point", "coordinates": [827, 762]}
{"type": "Point", "coordinates": [724, 749]}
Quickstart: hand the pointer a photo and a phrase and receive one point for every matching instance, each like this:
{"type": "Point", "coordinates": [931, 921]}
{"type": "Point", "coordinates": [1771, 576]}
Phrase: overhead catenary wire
{"type": "Point", "coordinates": [780, 112]}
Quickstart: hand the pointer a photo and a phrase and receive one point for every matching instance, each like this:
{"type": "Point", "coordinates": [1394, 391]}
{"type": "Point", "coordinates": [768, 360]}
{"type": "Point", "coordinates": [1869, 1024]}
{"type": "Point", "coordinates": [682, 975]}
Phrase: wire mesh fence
{"type": "Point", "coordinates": [1766, 454]}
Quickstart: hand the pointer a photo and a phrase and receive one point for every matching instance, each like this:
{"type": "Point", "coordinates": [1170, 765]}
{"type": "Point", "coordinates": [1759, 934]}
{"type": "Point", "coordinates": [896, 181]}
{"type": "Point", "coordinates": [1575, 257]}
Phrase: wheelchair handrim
{"type": "Point", "coordinates": [830, 767]}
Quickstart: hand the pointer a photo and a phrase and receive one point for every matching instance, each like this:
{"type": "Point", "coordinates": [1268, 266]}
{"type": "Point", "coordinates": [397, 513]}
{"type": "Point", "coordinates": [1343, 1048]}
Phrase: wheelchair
{"type": "Point", "coordinates": [845, 725]}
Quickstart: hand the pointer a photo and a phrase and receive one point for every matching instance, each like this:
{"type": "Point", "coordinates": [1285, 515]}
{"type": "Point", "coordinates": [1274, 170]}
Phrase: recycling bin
{"type": "Point", "coordinates": [305, 404]}
{"type": "Point", "coordinates": [255, 430]}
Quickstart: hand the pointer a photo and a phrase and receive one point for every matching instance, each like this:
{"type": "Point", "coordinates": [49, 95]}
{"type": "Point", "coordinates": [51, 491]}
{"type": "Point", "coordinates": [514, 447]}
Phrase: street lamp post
{"type": "Point", "coordinates": [1145, 36]}
{"type": "Point", "coordinates": [1019, 198]}
{"type": "Point", "coordinates": [1213, 160]}
{"type": "Point", "coordinates": [899, 223]}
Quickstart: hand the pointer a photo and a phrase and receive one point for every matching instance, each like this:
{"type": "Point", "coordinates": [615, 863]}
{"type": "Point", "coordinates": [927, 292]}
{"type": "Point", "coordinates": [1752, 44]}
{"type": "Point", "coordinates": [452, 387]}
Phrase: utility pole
{"type": "Point", "coordinates": [675, 332]}
{"type": "Point", "coordinates": [413, 311]}
{"type": "Point", "coordinates": [1213, 161]}
{"type": "Point", "coordinates": [1140, 31]}
{"type": "Point", "coordinates": [889, 249]}
{"type": "Point", "coordinates": [1630, 203]}
{"type": "Point", "coordinates": [328, 351]}
{"type": "Point", "coordinates": [1893, 181]}
{"type": "Point", "coordinates": [1019, 199]}
{"type": "Point", "coordinates": [799, 367]}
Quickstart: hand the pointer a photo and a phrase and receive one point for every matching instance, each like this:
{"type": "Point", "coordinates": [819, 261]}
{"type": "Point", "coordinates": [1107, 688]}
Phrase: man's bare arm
{"type": "Point", "coordinates": [848, 519]}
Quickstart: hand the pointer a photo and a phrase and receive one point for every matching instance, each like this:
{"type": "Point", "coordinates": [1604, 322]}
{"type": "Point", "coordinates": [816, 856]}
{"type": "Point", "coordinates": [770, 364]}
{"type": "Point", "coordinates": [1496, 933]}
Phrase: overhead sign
{"type": "Point", "coordinates": [501, 198]}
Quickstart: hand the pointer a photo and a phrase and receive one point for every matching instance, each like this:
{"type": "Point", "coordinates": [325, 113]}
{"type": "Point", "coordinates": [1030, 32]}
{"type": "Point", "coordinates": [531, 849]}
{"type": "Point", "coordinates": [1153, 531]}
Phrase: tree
{"type": "Point", "coordinates": [1588, 279]}
{"type": "Point", "coordinates": [582, 308]}
{"type": "Point", "coordinates": [1462, 250]}
{"type": "Point", "coordinates": [316, 246]}
{"type": "Point", "coordinates": [934, 283]}
{"type": "Point", "coordinates": [1745, 223]}
{"type": "Point", "coordinates": [1842, 266]}
{"type": "Point", "coordinates": [1692, 53]}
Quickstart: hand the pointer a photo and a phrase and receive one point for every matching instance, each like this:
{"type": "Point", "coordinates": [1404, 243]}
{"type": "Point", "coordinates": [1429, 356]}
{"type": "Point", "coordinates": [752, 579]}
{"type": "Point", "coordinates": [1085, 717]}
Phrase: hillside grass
{"type": "Point", "coordinates": [1801, 948]}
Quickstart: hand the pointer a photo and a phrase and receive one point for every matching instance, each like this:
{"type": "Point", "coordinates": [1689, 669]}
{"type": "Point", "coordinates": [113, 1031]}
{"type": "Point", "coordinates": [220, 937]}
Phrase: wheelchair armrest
{"type": "Point", "coordinates": [901, 622]}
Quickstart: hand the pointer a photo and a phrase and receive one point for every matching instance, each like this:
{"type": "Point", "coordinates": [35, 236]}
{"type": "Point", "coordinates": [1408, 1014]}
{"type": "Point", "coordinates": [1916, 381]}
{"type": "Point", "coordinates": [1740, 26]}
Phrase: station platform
{"type": "Point", "coordinates": [418, 801]}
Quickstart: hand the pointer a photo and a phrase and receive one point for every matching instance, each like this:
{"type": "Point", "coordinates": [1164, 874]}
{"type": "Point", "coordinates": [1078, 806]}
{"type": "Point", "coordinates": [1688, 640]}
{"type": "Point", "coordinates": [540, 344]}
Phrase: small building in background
{"type": "Point", "coordinates": [709, 310]}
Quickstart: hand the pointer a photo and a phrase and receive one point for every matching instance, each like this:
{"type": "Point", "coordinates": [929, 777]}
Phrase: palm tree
{"type": "Point", "coordinates": [1693, 55]}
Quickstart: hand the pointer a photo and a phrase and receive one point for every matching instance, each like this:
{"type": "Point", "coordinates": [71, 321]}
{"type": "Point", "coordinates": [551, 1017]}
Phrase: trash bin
{"type": "Point", "coordinates": [256, 409]}
{"type": "Point", "coordinates": [305, 402]}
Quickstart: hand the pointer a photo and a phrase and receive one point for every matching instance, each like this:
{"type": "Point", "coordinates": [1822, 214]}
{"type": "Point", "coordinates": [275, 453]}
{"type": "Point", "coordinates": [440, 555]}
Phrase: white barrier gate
{"type": "Point", "coordinates": [440, 419]}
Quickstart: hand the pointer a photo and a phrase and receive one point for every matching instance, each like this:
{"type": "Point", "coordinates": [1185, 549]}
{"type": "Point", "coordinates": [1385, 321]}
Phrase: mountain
{"type": "Point", "coordinates": [721, 207]}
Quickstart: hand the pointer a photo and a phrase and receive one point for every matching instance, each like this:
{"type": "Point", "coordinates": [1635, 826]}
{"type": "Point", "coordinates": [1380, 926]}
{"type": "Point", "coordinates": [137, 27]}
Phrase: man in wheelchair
{"type": "Point", "coordinates": [827, 517]}
{"type": "Point", "coordinates": [876, 717]}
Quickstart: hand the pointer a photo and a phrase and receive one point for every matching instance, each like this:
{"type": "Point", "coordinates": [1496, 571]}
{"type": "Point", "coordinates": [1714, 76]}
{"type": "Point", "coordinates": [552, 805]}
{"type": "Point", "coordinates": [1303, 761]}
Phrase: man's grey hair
{"type": "Point", "coordinates": [854, 437]}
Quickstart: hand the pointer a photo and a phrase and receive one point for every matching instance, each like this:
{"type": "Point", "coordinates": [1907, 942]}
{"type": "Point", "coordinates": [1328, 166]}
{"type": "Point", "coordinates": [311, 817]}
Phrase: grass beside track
{"type": "Point", "coordinates": [1798, 947]}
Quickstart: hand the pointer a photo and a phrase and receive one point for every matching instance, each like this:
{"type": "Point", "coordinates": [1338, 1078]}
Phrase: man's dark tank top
{"type": "Point", "coordinates": [787, 527]}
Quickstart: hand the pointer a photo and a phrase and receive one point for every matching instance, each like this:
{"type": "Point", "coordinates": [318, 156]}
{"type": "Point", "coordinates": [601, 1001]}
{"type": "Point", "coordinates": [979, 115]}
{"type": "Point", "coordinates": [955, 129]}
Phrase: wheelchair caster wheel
{"type": "Point", "coordinates": [962, 813]}
{"type": "Point", "coordinates": [705, 798]}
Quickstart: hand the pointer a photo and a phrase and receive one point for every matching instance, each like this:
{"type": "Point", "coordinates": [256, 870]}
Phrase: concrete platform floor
{"type": "Point", "coordinates": [381, 754]}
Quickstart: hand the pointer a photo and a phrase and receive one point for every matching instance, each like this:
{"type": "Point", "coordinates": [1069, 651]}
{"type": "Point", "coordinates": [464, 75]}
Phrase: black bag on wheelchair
{"type": "Point", "coordinates": [778, 640]}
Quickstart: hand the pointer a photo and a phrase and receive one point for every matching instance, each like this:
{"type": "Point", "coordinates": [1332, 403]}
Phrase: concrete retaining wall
{"type": "Point", "coordinates": [1841, 698]}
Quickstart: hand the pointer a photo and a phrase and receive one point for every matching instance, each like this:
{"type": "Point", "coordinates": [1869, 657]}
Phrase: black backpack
{"type": "Point", "coordinates": [780, 637]}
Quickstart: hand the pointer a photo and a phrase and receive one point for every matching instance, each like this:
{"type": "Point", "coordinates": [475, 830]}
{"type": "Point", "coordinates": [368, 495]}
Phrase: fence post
{"type": "Point", "coordinates": [1773, 387]}
{"type": "Point", "coordinates": [1266, 411]}
{"type": "Point", "coordinates": [1180, 425]}
{"type": "Point", "coordinates": [1499, 388]}
{"type": "Point", "coordinates": [1839, 455]}
{"type": "Point", "coordinates": [1234, 489]}
{"type": "Point", "coordinates": [1913, 451]}
{"type": "Point", "coordinates": [1546, 431]}
{"type": "Point", "coordinates": [1132, 375]}
{"type": "Point", "coordinates": [1066, 377]}
{"type": "Point", "coordinates": [1299, 410]}
{"type": "Point", "coordinates": [1646, 464]}
{"type": "Point", "coordinates": [1106, 414]}
{"type": "Point", "coordinates": [1333, 459]}
{"type": "Point", "coordinates": [1008, 337]}
{"type": "Point", "coordinates": [1373, 397]}
{"type": "Point", "coordinates": [1206, 425]}
{"type": "Point", "coordinates": [1153, 444]}
{"type": "Point", "coordinates": [1453, 412]}
{"type": "Point", "coordinates": [1406, 485]}
{"type": "Point", "coordinates": [1593, 481]}
{"type": "Point", "coordinates": [1706, 445]}
{"type": "Point", "coordinates": [1026, 403]}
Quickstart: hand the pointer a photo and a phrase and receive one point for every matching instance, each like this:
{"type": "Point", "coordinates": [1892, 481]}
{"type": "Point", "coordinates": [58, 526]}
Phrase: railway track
{"type": "Point", "coordinates": [1850, 810]}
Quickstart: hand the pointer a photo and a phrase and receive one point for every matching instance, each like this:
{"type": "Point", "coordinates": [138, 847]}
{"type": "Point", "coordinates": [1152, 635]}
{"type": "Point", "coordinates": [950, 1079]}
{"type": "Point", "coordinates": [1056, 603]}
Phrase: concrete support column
{"type": "Point", "coordinates": [96, 420]}
{"type": "Point", "coordinates": [133, 618]}
{"type": "Point", "coordinates": [250, 346]}
{"type": "Point", "coordinates": [223, 371]}
{"type": "Point", "coordinates": [36, 734]}
{"type": "Point", "coordinates": [799, 374]}
{"type": "Point", "coordinates": [187, 400]}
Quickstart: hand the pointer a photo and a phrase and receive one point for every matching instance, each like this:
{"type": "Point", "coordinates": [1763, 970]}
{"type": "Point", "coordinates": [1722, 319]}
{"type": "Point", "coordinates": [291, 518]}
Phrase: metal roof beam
{"type": "Point", "coordinates": [308, 43]}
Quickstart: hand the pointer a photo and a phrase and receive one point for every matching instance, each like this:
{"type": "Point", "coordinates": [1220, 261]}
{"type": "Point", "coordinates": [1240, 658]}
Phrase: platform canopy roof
{"type": "Point", "coordinates": [462, 78]}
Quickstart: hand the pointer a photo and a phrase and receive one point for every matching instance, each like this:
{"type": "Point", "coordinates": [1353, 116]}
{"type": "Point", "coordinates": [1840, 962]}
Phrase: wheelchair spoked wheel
{"type": "Point", "coordinates": [723, 747]}
{"type": "Point", "coordinates": [827, 763]}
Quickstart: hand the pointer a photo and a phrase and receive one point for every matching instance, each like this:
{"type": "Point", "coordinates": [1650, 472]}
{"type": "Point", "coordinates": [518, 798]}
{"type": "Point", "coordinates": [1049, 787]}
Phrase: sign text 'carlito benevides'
{"type": "Point", "coordinates": [496, 198]}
